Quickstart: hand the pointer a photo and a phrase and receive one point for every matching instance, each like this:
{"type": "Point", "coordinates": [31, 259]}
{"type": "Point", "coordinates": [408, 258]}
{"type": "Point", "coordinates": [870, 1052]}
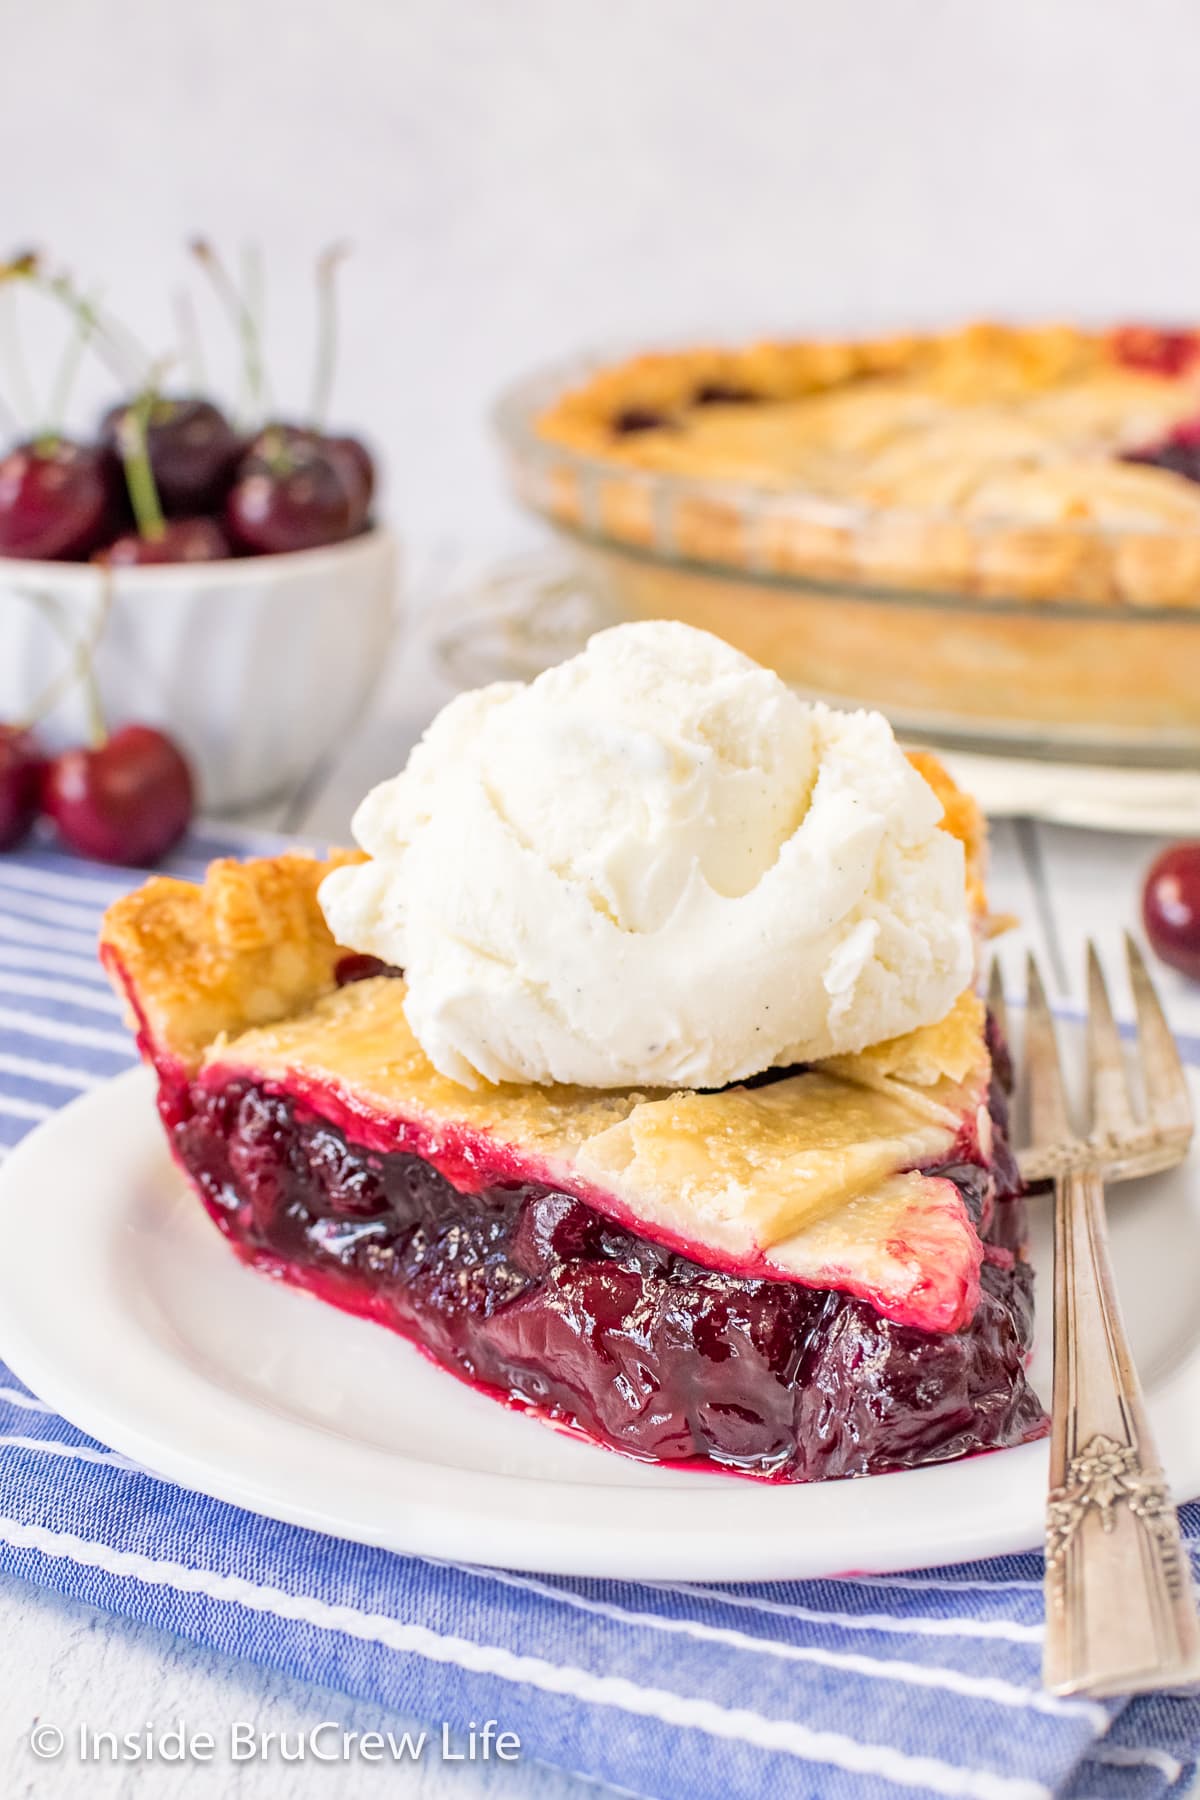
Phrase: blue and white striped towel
{"type": "Point", "coordinates": [924, 1684]}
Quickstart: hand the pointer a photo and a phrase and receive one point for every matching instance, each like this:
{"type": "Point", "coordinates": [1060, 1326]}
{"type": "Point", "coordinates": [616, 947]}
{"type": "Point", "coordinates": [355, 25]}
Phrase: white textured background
{"type": "Point", "coordinates": [522, 177]}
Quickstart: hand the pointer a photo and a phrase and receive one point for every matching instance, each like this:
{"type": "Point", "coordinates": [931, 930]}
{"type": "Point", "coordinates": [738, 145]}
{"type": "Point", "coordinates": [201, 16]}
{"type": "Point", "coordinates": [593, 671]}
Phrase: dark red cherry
{"type": "Point", "coordinates": [1179, 451]}
{"type": "Point", "coordinates": [306, 438]}
{"type": "Point", "coordinates": [639, 418]}
{"type": "Point", "coordinates": [181, 541]}
{"type": "Point", "coordinates": [119, 513]}
{"type": "Point", "coordinates": [1186, 435]}
{"type": "Point", "coordinates": [294, 490]}
{"type": "Point", "coordinates": [54, 499]}
{"type": "Point", "coordinates": [1180, 458]}
{"type": "Point", "coordinates": [362, 459]}
{"type": "Point", "coordinates": [357, 965]}
{"type": "Point", "coordinates": [193, 450]}
{"type": "Point", "coordinates": [723, 393]}
{"type": "Point", "coordinates": [1171, 908]}
{"type": "Point", "coordinates": [127, 802]}
{"type": "Point", "coordinates": [21, 764]}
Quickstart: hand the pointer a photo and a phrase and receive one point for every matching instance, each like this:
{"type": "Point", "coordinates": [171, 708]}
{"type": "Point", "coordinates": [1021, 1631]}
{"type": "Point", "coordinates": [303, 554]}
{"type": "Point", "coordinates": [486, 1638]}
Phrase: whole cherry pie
{"type": "Point", "coordinates": [818, 1271]}
{"type": "Point", "coordinates": [991, 534]}
{"type": "Point", "coordinates": [1025, 462]}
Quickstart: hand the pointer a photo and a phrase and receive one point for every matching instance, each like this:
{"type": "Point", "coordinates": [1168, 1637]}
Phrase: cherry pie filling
{"type": "Point", "coordinates": [529, 1293]}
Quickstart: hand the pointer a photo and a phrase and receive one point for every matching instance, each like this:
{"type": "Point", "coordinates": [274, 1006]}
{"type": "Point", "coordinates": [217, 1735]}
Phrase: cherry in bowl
{"type": "Point", "coordinates": [55, 497]}
{"type": "Point", "coordinates": [179, 541]}
{"type": "Point", "coordinates": [360, 457]}
{"type": "Point", "coordinates": [296, 490]}
{"type": "Point", "coordinates": [192, 447]}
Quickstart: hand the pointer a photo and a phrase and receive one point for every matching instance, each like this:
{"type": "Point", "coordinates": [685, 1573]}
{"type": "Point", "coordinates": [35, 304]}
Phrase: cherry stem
{"type": "Point", "coordinates": [191, 344]}
{"type": "Point", "coordinates": [327, 332]}
{"type": "Point", "coordinates": [81, 666]}
{"type": "Point", "coordinates": [135, 459]}
{"type": "Point", "coordinates": [245, 322]}
{"type": "Point", "coordinates": [17, 268]}
{"type": "Point", "coordinates": [52, 693]}
{"type": "Point", "coordinates": [254, 306]}
{"type": "Point", "coordinates": [97, 723]}
{"type": "Point", "coordinates": [17, 364]}
{"type": "Point", "coordinates": [125, 357]}
{"type": "Point", "coordinates": [272, 446]}
{"type": "Point", "coordinates": [9, 419]}
{"type": "Point", "coordinates": [68, 367]}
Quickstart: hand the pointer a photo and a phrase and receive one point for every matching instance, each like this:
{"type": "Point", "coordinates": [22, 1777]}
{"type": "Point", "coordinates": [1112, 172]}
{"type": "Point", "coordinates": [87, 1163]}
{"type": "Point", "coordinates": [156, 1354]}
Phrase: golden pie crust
{"type": "Point", "coordinates": [982, 461]}
{"type": "Point", "coordinates": [249, 945]}
{"type": "Point", "coordinates": [768, 1158]}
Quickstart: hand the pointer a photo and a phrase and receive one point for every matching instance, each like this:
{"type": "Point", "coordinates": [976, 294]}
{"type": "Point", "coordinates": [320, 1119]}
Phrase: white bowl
{"type": "Point", "coordinates": [256, 666]}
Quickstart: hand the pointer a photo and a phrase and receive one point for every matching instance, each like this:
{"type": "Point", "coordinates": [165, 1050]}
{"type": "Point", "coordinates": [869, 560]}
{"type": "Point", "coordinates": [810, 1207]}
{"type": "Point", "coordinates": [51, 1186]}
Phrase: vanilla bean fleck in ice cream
{"type": "Point", "coordinates": [655, 866]}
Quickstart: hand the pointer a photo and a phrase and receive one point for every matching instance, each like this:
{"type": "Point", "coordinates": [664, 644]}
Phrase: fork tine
{"type": "Point", "coordinates": [996, 1002]}
{"type": "Point", "coordinates": [1049, 1121]}
{"type": "Point", "coordinates": [1112, 1110]}
{"type": "Point", "coordinates": [1168, 1103]}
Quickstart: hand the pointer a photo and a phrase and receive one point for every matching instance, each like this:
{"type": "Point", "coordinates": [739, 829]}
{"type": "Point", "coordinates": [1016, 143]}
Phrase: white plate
{"type": "Point", "coordinates": [124, 1309]}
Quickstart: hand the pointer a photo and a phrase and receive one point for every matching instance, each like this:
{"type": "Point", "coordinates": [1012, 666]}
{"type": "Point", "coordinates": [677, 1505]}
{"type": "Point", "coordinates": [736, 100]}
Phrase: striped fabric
{"type": "Point", "coordinates": [847, 1690]}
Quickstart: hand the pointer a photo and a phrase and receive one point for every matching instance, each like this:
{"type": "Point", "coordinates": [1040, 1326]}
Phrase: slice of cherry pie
{"type": "Point", "coordinates": [819, 1272]}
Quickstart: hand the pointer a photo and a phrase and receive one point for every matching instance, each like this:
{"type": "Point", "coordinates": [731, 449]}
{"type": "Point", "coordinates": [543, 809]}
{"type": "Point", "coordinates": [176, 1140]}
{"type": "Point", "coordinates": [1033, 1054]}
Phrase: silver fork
{"type": "Point", "coordinates": [1120, 1609]}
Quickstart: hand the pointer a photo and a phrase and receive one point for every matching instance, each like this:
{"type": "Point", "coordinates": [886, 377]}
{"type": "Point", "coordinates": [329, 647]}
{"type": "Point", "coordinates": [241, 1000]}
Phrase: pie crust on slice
{"type": "Point", "coordinates": [816, 1273]}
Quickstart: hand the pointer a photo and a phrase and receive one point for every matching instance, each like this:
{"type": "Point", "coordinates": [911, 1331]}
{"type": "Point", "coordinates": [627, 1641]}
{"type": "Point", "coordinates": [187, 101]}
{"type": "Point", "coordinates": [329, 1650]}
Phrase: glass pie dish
{"type": "Point", "coordinates": [1071, 640]}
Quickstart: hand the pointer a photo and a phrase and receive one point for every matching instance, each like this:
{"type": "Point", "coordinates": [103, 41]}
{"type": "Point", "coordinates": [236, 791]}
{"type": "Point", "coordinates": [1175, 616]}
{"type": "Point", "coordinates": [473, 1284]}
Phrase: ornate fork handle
{"type": "Point", "coordinates": [1120, 1613]}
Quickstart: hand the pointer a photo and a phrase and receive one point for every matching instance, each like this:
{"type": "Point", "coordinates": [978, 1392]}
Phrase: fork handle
{"type": "Point", "coordinates": [1120, 1610]}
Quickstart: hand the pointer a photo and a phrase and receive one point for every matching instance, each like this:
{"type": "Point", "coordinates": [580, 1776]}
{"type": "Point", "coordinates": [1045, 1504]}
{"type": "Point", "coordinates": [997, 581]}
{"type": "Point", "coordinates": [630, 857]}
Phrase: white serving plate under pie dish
{"type": "Point", "coordinates": [131, 1316]}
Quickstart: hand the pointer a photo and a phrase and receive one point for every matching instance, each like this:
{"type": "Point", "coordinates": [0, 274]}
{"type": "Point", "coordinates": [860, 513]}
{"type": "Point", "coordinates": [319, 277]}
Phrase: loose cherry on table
{"type": "Point", "coordinates": [21, 765]}
{"type": "Point", "coordinates": [180, 541]}
{"type": "Point", "coordinates": [1171, 908]}
{"type": "Point", "coordinates": [296, 490]}
{"type": "Point", "coordinates": [54, 499]}
{"type": "Point", "coordinates": [193, 450]}
{"type": "Point", "coordinates": [127, 801]}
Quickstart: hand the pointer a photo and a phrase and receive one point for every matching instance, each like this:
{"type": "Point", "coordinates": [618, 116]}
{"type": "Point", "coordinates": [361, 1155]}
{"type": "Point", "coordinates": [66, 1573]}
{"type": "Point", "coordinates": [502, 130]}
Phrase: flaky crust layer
{"type": "Point", "coordinates": [247, 947]}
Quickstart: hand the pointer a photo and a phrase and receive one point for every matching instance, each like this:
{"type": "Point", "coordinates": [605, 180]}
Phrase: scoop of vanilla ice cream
{"type": "Point", "coordinates": [655, 866]}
